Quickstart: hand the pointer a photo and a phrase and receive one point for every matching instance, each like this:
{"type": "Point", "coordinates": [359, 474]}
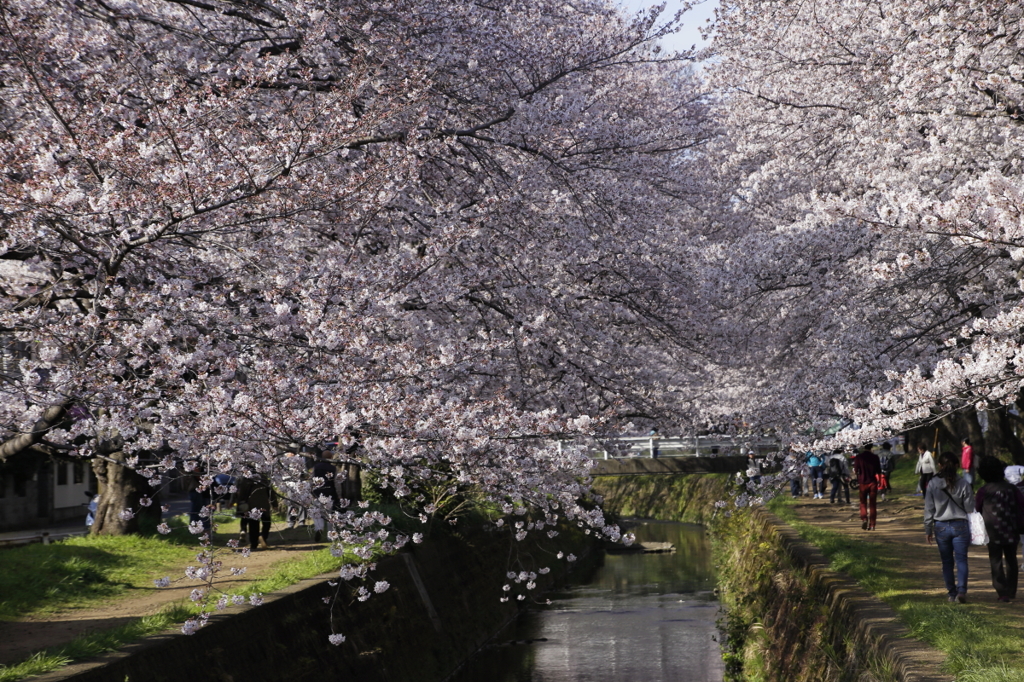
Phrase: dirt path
{"type": "Point", "coordinates": [22, 638]}
{"type": "Point", "coordinates": [901, 523]}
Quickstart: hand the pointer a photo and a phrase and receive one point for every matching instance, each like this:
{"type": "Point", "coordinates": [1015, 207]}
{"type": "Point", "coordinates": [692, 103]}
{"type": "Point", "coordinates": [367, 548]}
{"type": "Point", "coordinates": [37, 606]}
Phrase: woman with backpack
{"type": "Point", "coordinates": [1002, 506]}
{"type": "Point", "coordinates": [839, 475]}
{"type": "Point", "coordinates": [947, 502]}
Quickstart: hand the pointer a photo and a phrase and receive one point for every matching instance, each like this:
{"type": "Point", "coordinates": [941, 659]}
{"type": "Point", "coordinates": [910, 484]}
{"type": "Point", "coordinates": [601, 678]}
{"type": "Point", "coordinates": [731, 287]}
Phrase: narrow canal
{"type": "Point", "coordinates": [638, 618]}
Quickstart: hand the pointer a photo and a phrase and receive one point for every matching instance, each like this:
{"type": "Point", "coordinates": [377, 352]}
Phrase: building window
{"type": "Point", "coordinates": [62, 473]}
{"type": "Point", "coordinates": [78, 472]}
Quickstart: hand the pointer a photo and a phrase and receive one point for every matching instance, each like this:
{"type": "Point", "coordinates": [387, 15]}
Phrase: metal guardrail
{"type": "Point", "coordinates": [688, 446]}
{"type": "Point", "coordinates": [30, 537]}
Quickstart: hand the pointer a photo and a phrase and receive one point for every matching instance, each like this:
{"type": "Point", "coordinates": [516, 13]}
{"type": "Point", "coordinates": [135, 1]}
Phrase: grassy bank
{"type": "Point", "coordinates": [38, 580]}
{"type": "Point", "coordinates": [777, 626]}
{"type": "Point", "coordinates": [282, 574]}
{"type": "Point", "coordinates": [91, 645]}
{"type": "Point", "coordinates": [689, 499]}
{"type": "Point", "coordinates": [92, 570]}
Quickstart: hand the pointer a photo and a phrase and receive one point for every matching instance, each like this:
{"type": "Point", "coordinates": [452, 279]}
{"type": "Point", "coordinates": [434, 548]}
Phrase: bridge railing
{"type": "Point", "coordinates": [713, 445]}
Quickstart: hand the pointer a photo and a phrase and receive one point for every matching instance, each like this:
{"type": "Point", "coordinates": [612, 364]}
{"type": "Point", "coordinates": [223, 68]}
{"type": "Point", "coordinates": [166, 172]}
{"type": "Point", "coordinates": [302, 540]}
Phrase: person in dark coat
{"type": "Point", "coordinates": [1002, 506]}
{"type": "Point", "coordinates": [869, 472]}
{"type": "Point", "coordinates": [324, 469]}
{"type": "Point", "coordinates": [839, 476]}
{"type": "Point", "coordinates": [254, 492]}
{"type": "Point", "coordinates": [197, 500]}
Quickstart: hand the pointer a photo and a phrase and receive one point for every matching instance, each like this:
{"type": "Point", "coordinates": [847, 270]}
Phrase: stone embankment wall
{"type": "Point", "coordinates": [788, 618]}
{"type": "Point", "coordinates": [443, 604]}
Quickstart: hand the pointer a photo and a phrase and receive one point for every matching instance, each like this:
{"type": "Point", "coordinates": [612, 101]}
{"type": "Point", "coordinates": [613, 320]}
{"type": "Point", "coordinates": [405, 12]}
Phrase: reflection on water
{"type": "Point", "coordinates": [640, 618]}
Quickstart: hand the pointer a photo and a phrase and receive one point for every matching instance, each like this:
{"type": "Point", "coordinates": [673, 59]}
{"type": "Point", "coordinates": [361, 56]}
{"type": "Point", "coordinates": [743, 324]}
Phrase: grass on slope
{"type": "Point", "coordinates": [82, 571]}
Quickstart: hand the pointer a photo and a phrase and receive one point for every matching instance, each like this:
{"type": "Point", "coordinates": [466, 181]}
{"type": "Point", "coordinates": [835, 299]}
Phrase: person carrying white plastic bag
{"type": "Point", "coordinates": [947, 503]}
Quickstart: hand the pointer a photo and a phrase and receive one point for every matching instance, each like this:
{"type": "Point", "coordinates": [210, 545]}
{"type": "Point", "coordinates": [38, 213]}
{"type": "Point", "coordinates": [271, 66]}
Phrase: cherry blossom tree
{"type": "Point", "coordinates": [876, 229]}
{"type": "Point", "coordinates": [443, 235]}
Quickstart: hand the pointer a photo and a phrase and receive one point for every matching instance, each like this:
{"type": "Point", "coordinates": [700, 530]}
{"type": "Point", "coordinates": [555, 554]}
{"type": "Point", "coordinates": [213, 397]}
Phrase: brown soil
{"type": "Point", "coordinates": [22, 638]}
{"type": "Point", "coordinates": [901, 522]}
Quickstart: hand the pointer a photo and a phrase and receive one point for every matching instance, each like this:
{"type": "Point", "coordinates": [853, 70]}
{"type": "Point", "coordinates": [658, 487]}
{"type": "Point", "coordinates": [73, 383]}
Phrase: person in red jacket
{"type": "Point", "coordinates": [869, 473]}
{"type": "Point", "coordinates": [967, 461]}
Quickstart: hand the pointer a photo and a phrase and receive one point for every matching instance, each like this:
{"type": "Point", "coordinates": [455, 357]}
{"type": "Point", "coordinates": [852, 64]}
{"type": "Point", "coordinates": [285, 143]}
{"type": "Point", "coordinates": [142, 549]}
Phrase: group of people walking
{"type": "Point", "coordinates": [254, 498]}
{"type": "Point", "coordinates": [950, 499]}
{"type": "Point", "coordinates": [257, 493]}
{"type": "Point", "coordinates": [816, 474]}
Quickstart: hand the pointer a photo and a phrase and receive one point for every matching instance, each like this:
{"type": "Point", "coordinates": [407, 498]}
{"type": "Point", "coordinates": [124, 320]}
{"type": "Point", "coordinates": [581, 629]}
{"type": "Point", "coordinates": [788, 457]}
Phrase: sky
{"type": "Point", "coordinates": [689, 35]}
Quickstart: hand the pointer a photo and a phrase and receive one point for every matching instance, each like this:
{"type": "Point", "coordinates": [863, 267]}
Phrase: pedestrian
{"type": "Point", "coordinates": [295, 469]}
{"type": "Point", "coordinates": [1002, 506]}
{"type": "Point", "coordinates": [324, 471]}
{"type": "Point", "coordinates": [887, 462]}
{"type": "Point", "coordinates": [654, 442]}
{"type": "Point", "coordinates": [791, 470]}
{"type": "Point", "coordinates": [967, 460]}
{"type": "Point", "coordinates": [805, 477]}
{"type": "Point", "coordinates": [868, 470]}
{"type": "Point", "coordinates": [254, 495]}
{"type": "Point", "coordinates": [753, 470]}
{"type": "Point", "coordinates": [815, 464]}
{"type": "Point", "coordinates": [198, 499]}
{"type": "Point", "coordinates": [925, 467]}
{"type": "Point", "coordinates": [222, 484]}
{"type": "Point", "coordinates": [947, 502]}
{"type": "Point", "coordinates": [839, 475]}
{"type": "Point", "coordinates": [91, 506]}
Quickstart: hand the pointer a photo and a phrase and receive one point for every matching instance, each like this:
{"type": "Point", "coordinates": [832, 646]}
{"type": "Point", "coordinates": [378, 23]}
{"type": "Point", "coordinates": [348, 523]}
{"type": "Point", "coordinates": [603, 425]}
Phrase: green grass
{"type": "Point", "coordinates": [291, 571]}
{"type": "Point", "coordinates": [903, 480]}
{"type": "Point", "coordinates": [88, 646]}
{"type": "Point", "coordinates": [980, 645]}
{"type": "Point", "coordinates": [77, 572]}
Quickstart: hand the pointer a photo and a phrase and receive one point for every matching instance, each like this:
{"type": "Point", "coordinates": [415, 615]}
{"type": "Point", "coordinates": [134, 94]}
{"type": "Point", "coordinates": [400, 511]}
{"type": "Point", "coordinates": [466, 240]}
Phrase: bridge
{"type": "Point", "coordinates": [646, 455]}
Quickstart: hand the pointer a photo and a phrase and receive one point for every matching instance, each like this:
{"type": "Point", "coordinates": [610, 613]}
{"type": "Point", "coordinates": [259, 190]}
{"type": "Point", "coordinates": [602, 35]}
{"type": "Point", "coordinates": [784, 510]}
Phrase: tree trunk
{"type": "Point", "coordinates": [1001, 429]}
{"type": "Point", "coordinates": [120, 488]}
{"type": "Point", "coordinates": [351, 486]}
{"type": "Point", "coordinates": [949, 436]}
{"type": "Point", "coordinates": [964, 424]}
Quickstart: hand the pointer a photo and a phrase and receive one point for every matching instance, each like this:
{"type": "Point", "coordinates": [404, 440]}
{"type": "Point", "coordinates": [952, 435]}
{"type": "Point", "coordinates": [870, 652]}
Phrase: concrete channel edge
{"type": "Point", "coordinates": [876, 625]}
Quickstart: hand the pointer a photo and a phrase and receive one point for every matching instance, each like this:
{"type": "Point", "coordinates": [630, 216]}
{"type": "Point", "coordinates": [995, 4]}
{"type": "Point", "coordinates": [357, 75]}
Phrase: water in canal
{"type": "Point", "coordinates": [639, 618]}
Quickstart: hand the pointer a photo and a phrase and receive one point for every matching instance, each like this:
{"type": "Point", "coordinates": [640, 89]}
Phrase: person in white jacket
{"type": "Point", "coordinates": [925, 467]}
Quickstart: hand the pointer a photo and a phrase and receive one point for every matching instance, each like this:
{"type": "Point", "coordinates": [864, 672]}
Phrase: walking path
{"type": "Point", "coordinates": [901, 523]}
{"type": "Point", "coordinates": [24, 637]}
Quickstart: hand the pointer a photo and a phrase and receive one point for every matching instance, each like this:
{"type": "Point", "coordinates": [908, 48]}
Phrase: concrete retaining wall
{"type": "Point", "coordinates": [864, 634]}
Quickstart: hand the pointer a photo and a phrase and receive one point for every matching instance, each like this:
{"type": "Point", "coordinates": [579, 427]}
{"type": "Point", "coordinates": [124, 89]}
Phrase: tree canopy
{"type": "Point", "coordinates": [447, 236]}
